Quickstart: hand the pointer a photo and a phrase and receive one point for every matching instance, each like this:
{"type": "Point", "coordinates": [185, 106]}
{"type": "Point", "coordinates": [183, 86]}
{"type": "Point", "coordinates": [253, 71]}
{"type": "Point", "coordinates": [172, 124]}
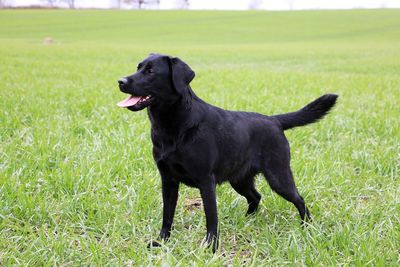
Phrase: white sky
{"type": "Point", "coordinates": [238, 4]}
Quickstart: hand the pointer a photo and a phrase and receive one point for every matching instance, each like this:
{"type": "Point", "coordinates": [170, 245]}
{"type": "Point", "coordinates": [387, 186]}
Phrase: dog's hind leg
{"type": "Point", "coordinates": [245, 187]}
{"type": "Point", "coordinates": [280, 178]}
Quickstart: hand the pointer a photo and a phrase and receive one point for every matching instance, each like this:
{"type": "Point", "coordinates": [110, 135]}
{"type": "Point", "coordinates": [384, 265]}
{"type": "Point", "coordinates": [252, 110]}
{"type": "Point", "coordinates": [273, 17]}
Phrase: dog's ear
{"type": "Point", "coordinates": [181, 74]}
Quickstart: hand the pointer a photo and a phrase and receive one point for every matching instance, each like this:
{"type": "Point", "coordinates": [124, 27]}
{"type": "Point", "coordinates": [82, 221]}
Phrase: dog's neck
{"type": "Point", "coordinates": [176, 116]}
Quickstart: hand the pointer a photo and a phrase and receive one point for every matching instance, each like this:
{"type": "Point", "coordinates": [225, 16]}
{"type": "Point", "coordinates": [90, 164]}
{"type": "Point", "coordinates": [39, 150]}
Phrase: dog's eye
{"type": "Point", "coordinates": [150, 70]}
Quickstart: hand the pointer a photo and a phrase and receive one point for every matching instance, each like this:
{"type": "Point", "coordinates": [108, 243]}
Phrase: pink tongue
{"type": "Point", "coordinates": [130, 101]}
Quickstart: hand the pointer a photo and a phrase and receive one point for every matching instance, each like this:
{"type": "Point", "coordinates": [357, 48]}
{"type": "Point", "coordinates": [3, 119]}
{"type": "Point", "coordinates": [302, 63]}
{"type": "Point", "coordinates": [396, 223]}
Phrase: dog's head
{"type": "Point", "coordinates": [159, 80]}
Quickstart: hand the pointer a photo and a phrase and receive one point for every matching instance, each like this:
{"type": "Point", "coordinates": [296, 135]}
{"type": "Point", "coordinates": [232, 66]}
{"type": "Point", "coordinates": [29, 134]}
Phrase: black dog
{"type": "Point", "coordinates": [202, 145]}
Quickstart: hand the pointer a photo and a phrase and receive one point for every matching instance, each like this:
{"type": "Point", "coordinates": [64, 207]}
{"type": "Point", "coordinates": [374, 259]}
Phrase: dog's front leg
{"type": "Point", "coordinates": [207, 191]}
{"type": "Point", "coordinates": [170, 196]}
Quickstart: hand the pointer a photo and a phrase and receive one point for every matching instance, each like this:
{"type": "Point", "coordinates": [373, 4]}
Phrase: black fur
{"type": "Point", "coordinates": [313, 112]}
{"type": "Point", "coordinates": [201, 145]}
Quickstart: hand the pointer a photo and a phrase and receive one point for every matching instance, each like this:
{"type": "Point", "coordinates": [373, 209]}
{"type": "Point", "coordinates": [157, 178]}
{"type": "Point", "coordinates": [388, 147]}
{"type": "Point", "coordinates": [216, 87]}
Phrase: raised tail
{"type": "Point", "coordinates": [313, 112]}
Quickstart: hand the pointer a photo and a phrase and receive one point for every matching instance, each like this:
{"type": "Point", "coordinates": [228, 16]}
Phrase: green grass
{"type": "Point", "coordinates": [77, 182]}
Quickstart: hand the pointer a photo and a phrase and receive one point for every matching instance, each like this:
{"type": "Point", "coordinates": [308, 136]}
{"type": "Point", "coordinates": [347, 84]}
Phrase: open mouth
{"type": "Point", "coordinates": [136, 102]}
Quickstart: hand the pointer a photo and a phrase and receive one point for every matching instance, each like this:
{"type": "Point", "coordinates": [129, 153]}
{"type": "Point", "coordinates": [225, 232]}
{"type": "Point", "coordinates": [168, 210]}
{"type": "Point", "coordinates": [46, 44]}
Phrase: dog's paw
{"type": "Point", "coordinates": [211, 242]}
{"type": "Point", "coordinates": [153, 244]}
{"type": "Point", "coordinates": [250, 213]}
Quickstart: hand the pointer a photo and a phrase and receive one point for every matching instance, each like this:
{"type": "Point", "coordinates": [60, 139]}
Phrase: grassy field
{"type": "Point", "coordinates": [77, 182]}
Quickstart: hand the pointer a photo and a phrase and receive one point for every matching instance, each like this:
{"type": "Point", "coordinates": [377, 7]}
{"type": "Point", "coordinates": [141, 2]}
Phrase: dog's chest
{"type": "Point", "coordinates": [170, 146]}
{"type": "Point", "coordinates": [167, 152]}
{"type": "Point", "coordinates": [174, 162]}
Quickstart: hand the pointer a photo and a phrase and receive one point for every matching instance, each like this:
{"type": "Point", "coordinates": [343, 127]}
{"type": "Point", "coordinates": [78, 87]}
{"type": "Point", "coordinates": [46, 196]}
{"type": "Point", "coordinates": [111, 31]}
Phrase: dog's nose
{"type": "Point", "coordinates": [122, 81]}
